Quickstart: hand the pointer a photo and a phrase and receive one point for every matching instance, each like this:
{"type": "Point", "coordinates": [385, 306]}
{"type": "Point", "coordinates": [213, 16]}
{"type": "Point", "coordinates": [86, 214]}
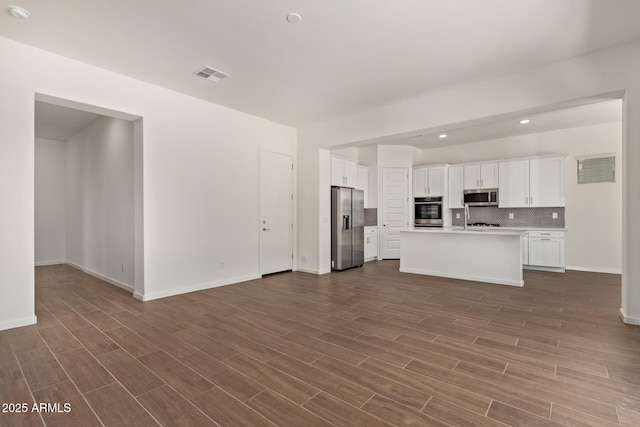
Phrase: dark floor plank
{"type": "Point", "coordinates": [290, 387]}
{"type": "Point", "coordinates": [132, 342]}
{"type": "Point", "coordinates": [94, 340]}
{"type": "Point", "coordinates": [228, 411]}
{"type": "Point", "coordinates": [336, 386]}
{"type": "Point", "coordinates": [516, 417]}
{"type": "Point", "coordinates": [399, 415]}
{"type": "Point", "coordinates": [78, 414]}
{"type": "Point", "coordinates": [59, 339]}
{"type": "Point", "coordinates": [394, 390]}
{"type": "Point", "coordinates": [171, 409]}
{"type": "Point", "coordinates": [283, 412]}
{"type": "Point", "coordinates": [117, 408]}
{"type": "Point", "coordinates": [40, 368]}
{"type": "Point", "coordinates": [230, 380]}
{"type": "Point", "coordinates": [341, 413]}
{"type": "Point", "coordinates": [84, 370]}
{"type": "Point", "coordinates": [181, 378]}
{"type": "Point", "coordinates": [132, 374]}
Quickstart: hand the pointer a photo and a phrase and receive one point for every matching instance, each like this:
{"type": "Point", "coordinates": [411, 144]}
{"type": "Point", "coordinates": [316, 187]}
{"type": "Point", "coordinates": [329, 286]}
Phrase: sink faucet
{"type": "Point", "coordinates": [467, 215]}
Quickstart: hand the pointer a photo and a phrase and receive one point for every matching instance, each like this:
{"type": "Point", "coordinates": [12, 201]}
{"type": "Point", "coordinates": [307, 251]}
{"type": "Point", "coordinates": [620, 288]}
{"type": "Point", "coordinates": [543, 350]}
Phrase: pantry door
{"type": "Point", "coordinates": [395, 209]}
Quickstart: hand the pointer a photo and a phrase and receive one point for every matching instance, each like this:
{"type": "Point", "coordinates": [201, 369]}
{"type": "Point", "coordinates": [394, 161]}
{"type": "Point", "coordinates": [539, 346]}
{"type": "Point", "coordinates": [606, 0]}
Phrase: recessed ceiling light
{"type": "Point", "coordinates": [442, 135]}
{"type": "Point", "coordinates": [525, 121]}
{"type": "Point", "coordinates": [19, 12]}
{"type": "Point", "coordinates": [294, 18]}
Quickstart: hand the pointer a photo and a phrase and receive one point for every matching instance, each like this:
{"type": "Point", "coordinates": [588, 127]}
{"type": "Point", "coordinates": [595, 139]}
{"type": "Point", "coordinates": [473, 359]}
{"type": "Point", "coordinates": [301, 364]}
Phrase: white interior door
{"type": "Point", "coordinates": [395, 212]}
{"type": "Point", "coordinates": [276, 212]}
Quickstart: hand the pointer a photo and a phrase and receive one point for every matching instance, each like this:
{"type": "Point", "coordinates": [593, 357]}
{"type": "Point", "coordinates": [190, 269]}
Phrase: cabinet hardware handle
{"type": "Point", "coordinates": [545, 239]}
{"type": "Point", "coordinates": [266, 229]}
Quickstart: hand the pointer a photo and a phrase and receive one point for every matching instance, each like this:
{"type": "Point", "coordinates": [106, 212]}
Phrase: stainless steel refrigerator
{"type": "Point", "coordinates": [347, 228]}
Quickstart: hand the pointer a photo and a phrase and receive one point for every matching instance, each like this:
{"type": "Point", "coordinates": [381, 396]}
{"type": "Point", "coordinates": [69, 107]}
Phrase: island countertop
{"type": "Point", "coordinates": [470, 230]}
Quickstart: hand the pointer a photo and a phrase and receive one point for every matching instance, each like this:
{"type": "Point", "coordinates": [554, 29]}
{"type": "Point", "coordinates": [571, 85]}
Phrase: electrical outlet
{"type": "Point", "coordinates": [457, 216]}
{"type": "Point", "coordinates": [510, 215]}
{"type": "Point", "coordinates": [554, 215]}
{"type": "Point", "coordinates": [222, 265]}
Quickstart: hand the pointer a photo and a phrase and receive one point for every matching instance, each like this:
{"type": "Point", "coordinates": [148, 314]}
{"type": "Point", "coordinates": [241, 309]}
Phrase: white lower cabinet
{"type": "Point", "coordinates": [370, 243]}
{"type": "Point", "coordinates": [546, 249]}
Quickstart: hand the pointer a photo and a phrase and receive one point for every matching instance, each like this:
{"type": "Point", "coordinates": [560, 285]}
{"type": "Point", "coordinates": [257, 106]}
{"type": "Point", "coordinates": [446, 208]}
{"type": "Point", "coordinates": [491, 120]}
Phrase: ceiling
{"type": "Point", "coordinates": [605, 111]}
{"type": "Point", "coordinates": [343, 57]}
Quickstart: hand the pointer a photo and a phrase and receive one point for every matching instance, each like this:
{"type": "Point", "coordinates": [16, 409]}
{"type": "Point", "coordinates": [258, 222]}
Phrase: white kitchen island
{"type": "Point", "coordinates": [481, 255]}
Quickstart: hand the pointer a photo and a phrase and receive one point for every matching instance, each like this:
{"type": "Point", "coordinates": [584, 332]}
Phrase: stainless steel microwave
{"type": "Point", "coordinates": [481, 197]}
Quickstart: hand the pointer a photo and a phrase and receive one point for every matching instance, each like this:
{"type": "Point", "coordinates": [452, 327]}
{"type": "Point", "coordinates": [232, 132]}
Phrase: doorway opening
{"type": "Point", "coordinates": [88, 191]}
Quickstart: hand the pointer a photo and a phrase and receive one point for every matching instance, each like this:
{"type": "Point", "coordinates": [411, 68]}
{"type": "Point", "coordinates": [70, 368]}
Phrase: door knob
{"type": "Point", "coordinates": [265, 229]}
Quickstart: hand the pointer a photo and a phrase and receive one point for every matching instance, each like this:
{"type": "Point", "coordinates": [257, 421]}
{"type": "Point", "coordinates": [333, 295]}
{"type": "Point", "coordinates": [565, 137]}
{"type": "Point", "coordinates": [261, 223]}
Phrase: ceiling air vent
{"type": "Point", "coordinates": [211, 74]}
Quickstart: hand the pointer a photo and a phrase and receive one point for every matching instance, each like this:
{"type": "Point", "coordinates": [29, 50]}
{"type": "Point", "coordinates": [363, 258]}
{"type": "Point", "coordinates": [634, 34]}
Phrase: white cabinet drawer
{"type": "Point", "coordinates": [547, 234]}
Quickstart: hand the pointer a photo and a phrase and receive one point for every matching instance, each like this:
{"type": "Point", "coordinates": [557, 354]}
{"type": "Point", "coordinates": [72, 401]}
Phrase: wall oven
{"type": "Point", "coordinates": [428, 212]}
{"type": "Point", "coordinates": [483, 197]}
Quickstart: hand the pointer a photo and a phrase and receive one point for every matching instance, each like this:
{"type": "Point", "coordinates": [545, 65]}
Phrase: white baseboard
{"type": "Point", "coordinates": [540, 268]}
{"type": "Point", "coordinates": [17, 323]}
{"type": "Point", "coordinates": [194, 288]}
{"type": "Point", "coordinates": [629, 320]}
{"type": "Point", "coordinates": [54, 262]}
{"type": "Point", "coordinates": [596, 269]}
{"type": "Point", "coordinates": [101, 277]}
{"type": "Point", "coordinates": [518, 283]}
{"type": "Point", "coordinates": [138, 296]}
{"type": "Point", "coordinates": [314, 271]}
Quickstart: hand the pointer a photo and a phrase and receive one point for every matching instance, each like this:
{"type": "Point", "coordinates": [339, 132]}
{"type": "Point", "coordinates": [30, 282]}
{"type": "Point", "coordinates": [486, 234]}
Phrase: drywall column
{"type": "Point", "coordinates": [630, 310]}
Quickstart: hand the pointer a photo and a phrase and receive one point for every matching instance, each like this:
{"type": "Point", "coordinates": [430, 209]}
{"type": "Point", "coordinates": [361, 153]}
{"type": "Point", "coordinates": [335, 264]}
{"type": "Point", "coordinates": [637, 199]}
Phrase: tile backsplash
{"type": "Point", "coordinates": [370, 217]}
{"type": "Point", "coordinates": [522, 217]}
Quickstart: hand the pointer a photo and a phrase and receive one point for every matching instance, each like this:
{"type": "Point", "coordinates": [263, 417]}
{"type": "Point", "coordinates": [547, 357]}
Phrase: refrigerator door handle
{"type": "Point", "coordinates": [345, 222]}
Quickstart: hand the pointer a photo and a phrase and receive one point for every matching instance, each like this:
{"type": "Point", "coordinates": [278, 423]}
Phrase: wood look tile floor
{"type": "Point", "coordinates": [364, 347]}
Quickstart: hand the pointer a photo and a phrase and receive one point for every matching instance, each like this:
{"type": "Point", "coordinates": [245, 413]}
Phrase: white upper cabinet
{"type": "Point", "coordinates": [531, 183]}
{"type": "Point", "coordinates": [455, 195]}
{"type": "Point", "coordinates": [481, 176]}
{"type": "Point", "coordinates": [362, 183]}
{"type": "Point", "coordinates": [343, 172]}
{"type": "Point", "coordinates": [546, 183]}
{"type": "Point", "coordinates": [513, 191]}
{"type": "Point", "coordinates": [429, 181]}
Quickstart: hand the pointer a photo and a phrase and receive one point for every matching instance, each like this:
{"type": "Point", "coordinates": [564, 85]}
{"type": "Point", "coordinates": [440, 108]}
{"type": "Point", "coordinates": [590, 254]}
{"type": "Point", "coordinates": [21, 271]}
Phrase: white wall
{"type": "Point", "coordinates": [593, 212]}
{"type": "Point", "coordinates": [613, 70]}
{"type": "Point", "coordinates": [50, 224]}
{"type": "Point", "coordinates": [100, 200]}
{"type": "Point", "coordinates": [200, 176]}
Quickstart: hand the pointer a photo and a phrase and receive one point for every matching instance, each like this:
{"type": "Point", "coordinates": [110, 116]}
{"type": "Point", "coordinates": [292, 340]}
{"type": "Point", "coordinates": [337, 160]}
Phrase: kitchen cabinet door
{"type": "Point", "coordinates": [343, 172]}
{"type": "Point", "coordinates": [455, 197]}
{"type": "Point", "coordinates": [546, 185]}
{"type": "Point", "coordinates": [370, 244]}
{"type": "Point", "coordinates": [546, 252]}
{"type": "Point", "coordinates": [481, 176]}
{"type": "Point", "coordinates": [489, 175]}
{"type": "Point", "coordinates": [471, 177]}
{"type": "Point", "coordinates": [420, 182]}
{"type": "Point", "coordinates": [337, 171]}
{"type": "Point", "coordinates": [350, 174]}
{"type": "Point", "coordinates": [435, 178]}
{"type": "Point", "coordinates": [514, 184]}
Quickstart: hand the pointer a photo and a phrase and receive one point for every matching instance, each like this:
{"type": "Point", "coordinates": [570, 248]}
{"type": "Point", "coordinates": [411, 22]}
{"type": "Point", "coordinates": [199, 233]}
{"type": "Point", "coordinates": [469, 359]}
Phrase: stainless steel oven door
{"type": "Point", "coordinates": [427, 214]}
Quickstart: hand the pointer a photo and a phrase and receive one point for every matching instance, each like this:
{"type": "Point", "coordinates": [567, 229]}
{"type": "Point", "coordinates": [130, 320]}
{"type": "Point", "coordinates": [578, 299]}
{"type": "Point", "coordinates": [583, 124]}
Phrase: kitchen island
{"type": "Point", "coordinates": [490, 256]}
